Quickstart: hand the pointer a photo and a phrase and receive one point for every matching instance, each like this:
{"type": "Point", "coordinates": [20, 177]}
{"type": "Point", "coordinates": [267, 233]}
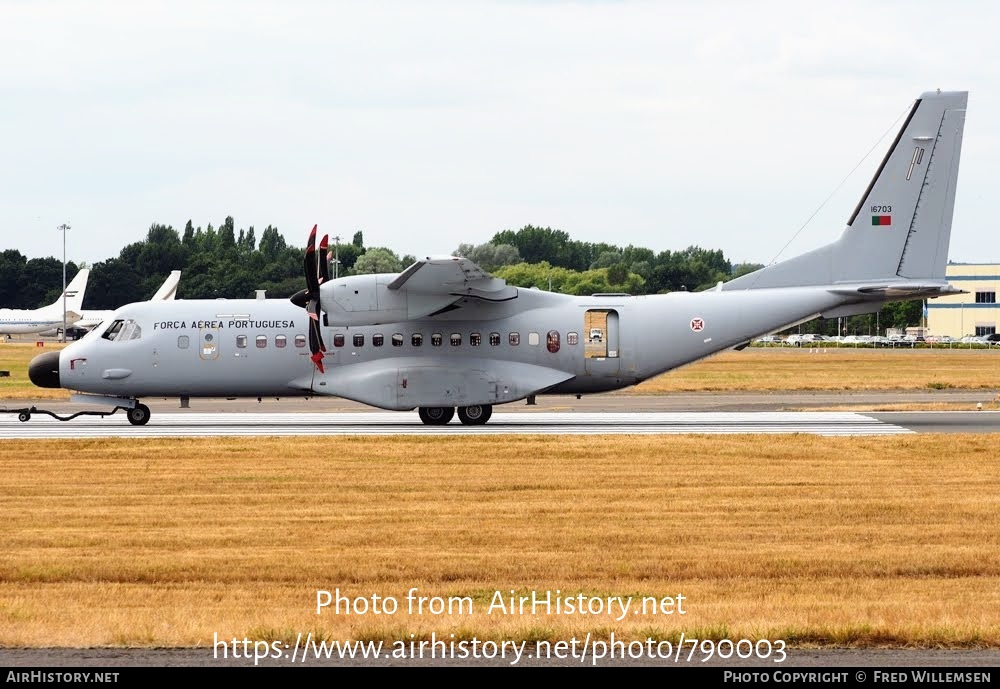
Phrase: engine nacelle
{"type": "Point", "coordinates": [367, 300]}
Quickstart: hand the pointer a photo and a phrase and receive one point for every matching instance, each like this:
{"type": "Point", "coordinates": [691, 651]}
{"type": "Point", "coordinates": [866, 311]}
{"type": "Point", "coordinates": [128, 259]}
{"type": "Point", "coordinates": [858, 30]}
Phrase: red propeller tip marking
{"type": "Point", "coordinates": [317, 359]}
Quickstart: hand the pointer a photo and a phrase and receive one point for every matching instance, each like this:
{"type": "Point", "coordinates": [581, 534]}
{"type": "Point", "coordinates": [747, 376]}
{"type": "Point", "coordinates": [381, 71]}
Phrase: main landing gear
{"type": "Point", "coordinates": [436, 416]}
{"type": "Point", "coordinates": [473, 415]}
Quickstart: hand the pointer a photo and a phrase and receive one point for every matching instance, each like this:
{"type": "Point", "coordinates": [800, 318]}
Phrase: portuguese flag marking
{"type": "Point", "coordinates": [881, 220]}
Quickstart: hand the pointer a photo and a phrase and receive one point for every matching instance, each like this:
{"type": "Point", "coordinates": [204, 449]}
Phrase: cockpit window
{"type": "Point", "coordinates": [122, 331]}
{"type": "Point", "coordinates": [112, 332]}
{"type": "Point", "coordinates": [130, 331]}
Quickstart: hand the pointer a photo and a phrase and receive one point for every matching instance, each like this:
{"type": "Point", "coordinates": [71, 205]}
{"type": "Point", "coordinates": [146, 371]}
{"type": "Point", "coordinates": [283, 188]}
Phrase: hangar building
{"type": "Point", "coordinates": [975, 313]}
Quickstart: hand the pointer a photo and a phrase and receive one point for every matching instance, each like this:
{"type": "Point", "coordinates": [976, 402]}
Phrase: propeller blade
{"type": "Point", "coordinates": [318, 360]}
{"type": "Point", "coordinates": [324, 266]}
{"type": "Point", "coordinates": [309, 297]}
{"type": "Point", "coordinates": [312, 284]}
{"type": "Point", "coordinates": [314, 321]}
{"type": "Point", "coordinates": [316, 345]}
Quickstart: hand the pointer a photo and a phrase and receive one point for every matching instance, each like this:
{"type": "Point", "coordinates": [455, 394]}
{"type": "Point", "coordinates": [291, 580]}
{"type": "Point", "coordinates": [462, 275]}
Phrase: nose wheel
{"type": "Point", "coordinates": [138, 415]}
{"type": "Point", "coordinates": [475, 415]}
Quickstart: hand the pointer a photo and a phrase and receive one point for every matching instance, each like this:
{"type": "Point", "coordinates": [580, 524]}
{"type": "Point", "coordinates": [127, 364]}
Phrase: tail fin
{"type": "Point", "coordinates": [74, 293]}
{"type": "Point", "coordinates": [901, 227]}
{"type": "Point", "coordinates": [168, 290]}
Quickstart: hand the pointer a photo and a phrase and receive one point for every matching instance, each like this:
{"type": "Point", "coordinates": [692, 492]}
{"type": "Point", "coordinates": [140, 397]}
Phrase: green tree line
{"type": "Point", "coordinates": [228, 262]}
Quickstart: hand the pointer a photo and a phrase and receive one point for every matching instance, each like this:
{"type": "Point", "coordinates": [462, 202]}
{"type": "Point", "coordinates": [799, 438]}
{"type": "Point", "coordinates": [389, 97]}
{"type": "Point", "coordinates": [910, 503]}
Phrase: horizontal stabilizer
{"type": "Point", "coordinates": [898, 291]}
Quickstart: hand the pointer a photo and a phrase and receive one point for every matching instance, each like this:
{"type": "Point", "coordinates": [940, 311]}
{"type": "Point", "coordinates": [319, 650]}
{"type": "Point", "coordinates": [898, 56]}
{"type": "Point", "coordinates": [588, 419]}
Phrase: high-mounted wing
{"type": "Point", "coordinates": [453, 276]}
{"type": "Point", "coordinates": [427, 287]}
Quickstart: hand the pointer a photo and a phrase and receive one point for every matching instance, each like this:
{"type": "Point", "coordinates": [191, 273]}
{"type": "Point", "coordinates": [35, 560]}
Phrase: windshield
{"type": "Point", "coordinates": [122, 330]}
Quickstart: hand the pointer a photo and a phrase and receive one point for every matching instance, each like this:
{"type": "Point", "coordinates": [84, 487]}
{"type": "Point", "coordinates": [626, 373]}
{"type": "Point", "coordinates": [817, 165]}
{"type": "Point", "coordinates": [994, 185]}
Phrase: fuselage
{"type": "Point", "coordinates": [477, 353]}
{"type": "Point", "coordinates": [31, 321]}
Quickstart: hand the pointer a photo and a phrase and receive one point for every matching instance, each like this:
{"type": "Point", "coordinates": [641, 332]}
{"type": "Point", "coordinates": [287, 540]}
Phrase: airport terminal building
{"type": "Point", "coordinates": [974, 313]}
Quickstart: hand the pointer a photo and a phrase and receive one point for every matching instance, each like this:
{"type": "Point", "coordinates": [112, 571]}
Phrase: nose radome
{"type": "Point", "coordinates": [43, 370]}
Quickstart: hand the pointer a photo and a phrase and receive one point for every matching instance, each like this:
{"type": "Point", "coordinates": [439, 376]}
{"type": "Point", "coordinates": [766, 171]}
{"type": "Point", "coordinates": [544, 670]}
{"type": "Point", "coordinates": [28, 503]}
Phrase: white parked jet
{"type": "Point", "coordinates": [90, 319]}
{"type": "Point", "coordinates": [30, 321]}
{"type": "Point", "coordinates": [444, 335]}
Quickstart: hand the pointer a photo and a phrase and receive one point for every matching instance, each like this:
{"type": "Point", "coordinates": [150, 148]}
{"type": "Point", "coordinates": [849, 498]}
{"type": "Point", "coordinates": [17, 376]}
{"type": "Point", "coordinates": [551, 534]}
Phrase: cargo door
{"type": "Point", "coordinates": [601, 342]}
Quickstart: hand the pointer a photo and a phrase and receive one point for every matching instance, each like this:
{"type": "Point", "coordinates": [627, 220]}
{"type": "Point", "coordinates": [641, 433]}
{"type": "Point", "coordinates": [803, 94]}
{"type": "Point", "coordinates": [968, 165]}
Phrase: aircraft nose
{"type": "Point", "coordinates": [43, 370]}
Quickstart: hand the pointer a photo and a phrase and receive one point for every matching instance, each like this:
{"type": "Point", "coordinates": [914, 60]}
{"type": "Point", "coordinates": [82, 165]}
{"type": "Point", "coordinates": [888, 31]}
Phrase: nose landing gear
{"type": "Point", "coordinates": [138, 415]}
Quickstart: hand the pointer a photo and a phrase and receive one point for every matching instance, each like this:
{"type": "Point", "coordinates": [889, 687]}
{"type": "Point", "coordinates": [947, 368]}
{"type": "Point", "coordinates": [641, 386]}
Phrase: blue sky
{"type": "Point", "coordinates": [428, 124]}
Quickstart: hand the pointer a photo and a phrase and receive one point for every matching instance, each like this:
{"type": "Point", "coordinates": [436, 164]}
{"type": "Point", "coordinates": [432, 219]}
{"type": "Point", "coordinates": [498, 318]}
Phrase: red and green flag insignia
{"type": "Point", "coordinates": [881, 220]}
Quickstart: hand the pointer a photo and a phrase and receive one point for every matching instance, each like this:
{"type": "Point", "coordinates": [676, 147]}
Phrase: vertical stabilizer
{"type": "Point", "coordinates": [901, 227]}
{"type": "Point", "coordinates": [74, 293]}
{"type": "Point", "coordinates": [168, 290]}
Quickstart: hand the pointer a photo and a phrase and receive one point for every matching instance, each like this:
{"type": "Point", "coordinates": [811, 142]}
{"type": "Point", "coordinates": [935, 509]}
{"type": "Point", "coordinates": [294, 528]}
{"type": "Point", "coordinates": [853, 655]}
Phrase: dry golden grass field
{"type": "Point", "coordinates": [817, 541]}
{"type": "Point", "coordinates": [14, 358]}
{"type": "Point", "coordinates": [786, 369]}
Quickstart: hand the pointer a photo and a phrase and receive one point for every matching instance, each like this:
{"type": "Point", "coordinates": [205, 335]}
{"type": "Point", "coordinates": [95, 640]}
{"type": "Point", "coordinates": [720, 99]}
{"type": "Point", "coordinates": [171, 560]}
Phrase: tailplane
{"type": "Point", "coordinates": [901, 227]}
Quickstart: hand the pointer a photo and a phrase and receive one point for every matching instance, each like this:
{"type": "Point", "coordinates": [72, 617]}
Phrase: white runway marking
{"type": "Point", "coordinates": [188, 424]}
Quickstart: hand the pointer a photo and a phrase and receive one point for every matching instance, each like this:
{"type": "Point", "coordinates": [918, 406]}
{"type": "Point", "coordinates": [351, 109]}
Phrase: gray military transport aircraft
{"type": "Point", "coordinates": [445, 335]}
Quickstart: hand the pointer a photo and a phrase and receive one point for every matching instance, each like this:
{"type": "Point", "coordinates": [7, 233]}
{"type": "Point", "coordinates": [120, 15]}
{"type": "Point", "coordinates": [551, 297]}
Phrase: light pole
{"type": "Point", "coordinates": [64, 228]}
{"type": "Point", "coordinates": [336, 257]}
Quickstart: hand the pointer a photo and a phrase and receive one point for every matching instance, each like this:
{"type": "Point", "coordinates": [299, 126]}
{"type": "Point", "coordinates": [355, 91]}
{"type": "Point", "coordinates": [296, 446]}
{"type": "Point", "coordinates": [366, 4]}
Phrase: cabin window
{"type": "Point", "coordinates": [262, 342]}
{"type": "Point", "coordinates": [436, 339]}
{"type": "Point", "coordinates": [533, 339]}
{"type": "Point", "coordinates": [475, 339]}
{"type": "Point", "coordinates": [280, 341]}
{"type": "Point", "coordinates": [572, 338]}
{"type": "Point", "coordinates": [552, 341]}
{"type": "Point", "coordinates": [416, 339]}
{"type": "Point", "coordinates": [494, 339]}
{"type": "Point", "coordinates": [378, 339]}
{"type": "Point", "coordinates": [456, 339]}
{"type": "Point", "coordinates": [338, 340]}
{"type": "Point", "coordinates": [397, 339]}
{"type": "Point", "coordinates": [241, 341]}
{"type": "Point", "coordinates": [514, 339]}
{"type": "Point", "coordinates": [359, 340]}
{"type": "Point", "coordinates": [183, 342]}
{"type": "Point", "coordinates": [300, 341]}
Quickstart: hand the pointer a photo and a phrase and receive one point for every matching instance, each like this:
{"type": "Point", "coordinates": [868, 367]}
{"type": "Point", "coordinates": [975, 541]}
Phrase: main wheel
{"type": "Point", "coordinates": [138, 415]}
{"type": "Point", "coordinates": [436, 416]}
{"type": "Point", "coordinates": [23, 416]}
{"type": "Point", "coordinates": [475, 415]}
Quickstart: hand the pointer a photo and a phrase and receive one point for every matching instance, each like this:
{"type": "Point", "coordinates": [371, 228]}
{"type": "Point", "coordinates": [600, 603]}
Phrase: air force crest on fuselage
{"type": "Point", "coordinates": [697, 324]}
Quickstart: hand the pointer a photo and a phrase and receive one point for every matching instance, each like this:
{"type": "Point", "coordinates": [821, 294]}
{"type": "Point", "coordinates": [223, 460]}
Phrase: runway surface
{"type": "Point", "coordinates": [407, 423]}
{"type": "Point", "coordinates": [708, 413]}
